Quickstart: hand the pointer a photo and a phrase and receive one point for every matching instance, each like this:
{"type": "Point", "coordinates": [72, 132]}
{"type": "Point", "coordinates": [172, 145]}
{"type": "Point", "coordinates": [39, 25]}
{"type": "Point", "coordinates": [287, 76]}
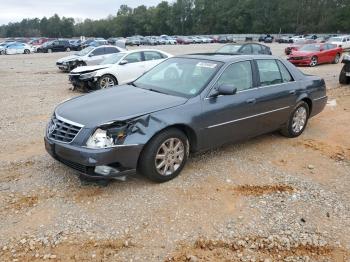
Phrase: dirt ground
{"type": "Point", "coordinates": [267, 199]}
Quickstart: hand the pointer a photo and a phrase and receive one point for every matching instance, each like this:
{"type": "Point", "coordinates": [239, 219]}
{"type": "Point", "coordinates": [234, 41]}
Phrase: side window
{"type": "Point", "coordinates": [97, 52]}
{"type": "Point", "coordinates": [269, 72]}
{"type": "Point", "coordinates": [134, 58]}
{"type": "Point", "coordinates": [150, 55]}
{"type": "Point", "coordinates": [238, 74]}
{"type": "Point", "coordinates": [111, 50]}
{"type": "Point", "coordinates": [286, 76]}
{"type": "Point", "coordinates": [246, 49]}
{"type": "Point", "coordinates": [256, 49]}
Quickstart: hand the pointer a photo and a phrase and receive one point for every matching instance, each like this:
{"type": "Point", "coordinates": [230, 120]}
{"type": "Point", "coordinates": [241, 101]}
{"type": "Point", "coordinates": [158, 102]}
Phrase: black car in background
{"type": "Point", "coordinates": [185, 104]}
{"type": "Point", "coordinates": [245, 49]}
{"type": "Point", "coordinates": [55, 46]}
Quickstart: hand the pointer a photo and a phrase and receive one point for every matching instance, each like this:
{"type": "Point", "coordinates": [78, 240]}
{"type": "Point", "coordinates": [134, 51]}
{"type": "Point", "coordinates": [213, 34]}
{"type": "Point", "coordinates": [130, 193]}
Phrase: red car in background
{"type": "Point", "coordinates": [294, 47]}
{"type": "Point", "coordinates": [314, 54]}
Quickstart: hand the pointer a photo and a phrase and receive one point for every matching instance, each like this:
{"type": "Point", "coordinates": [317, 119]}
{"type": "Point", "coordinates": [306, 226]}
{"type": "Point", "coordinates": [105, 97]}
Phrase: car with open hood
{"type": "Point", "coordinates": [88, 56]}
{"type": "Point", "coordinates": [314, 54]}
{"type": "Point", "coordinates": [120, 68]}
{"type": "Point", "coordinates": [185, 104]}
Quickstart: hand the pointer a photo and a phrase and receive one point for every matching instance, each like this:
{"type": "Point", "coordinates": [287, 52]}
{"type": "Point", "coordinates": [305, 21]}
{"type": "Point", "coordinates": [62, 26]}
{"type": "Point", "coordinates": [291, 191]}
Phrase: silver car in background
{"type": "Point", "coordinates": [88, 56]}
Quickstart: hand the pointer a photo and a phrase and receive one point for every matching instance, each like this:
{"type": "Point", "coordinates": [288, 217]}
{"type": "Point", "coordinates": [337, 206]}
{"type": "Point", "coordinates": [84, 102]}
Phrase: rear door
{"type": "Point", "coordinates": [108, 51]}
{"type": "Point", "coordinates": [276, 94]}
{"type": "Point", "coordinates": [152, 58]}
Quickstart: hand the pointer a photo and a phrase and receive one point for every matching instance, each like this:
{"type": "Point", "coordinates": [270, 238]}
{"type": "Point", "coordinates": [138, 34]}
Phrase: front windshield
{"type": "Point", "coordinates": [179, 76]}
{"type": "Point", "coordinates": [310, 48]}
{"type": "Point", "coordinates": [113, 59]}
{"type": "Point", "coordinates": [229, 49]}
{"type": "Point", "coordinates": [85, 51]}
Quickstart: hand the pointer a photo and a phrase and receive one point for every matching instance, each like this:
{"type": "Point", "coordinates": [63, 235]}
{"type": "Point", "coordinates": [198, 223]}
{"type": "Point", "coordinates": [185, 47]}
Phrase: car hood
{"type": "Point", "coordinates": [68, 58]}
{"type": "Point", "coordinates": [115, 104]}
{"type": "Point", "coordinates": [84, 69]}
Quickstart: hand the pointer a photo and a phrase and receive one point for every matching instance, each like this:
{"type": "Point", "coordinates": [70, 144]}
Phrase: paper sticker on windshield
{"type": "Point", "coordinates": [193, 91]}
{"type": "Point", "coordinates": [206, 65]}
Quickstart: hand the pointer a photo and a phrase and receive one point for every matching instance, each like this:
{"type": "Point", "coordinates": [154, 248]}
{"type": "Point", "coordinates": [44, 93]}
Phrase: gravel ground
{"type": "Point", "coordinates": [267, 199]}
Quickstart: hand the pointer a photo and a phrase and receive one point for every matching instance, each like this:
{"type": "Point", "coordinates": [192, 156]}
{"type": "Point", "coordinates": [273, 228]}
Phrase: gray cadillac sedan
{"type": "Point", "coordinates": [185, 104]}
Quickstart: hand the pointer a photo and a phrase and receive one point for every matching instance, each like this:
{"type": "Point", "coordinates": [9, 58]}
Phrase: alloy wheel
{"type": "Point", "coordinates": [106, 82]}
{"type": "Point", "coordinates": [313, 61]}
{"type": "Point", "coordinates": [170, 156]}
{"type": "Point", "coordinates": [299, 120]}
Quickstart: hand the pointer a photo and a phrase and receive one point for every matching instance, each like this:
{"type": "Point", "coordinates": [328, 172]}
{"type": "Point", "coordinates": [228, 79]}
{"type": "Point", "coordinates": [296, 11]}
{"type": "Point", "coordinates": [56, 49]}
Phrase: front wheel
{"type": "Point", "coordinates": [107, 81]}
{"type": "Point", "coordinates": [343, 79]}
{"type": "Point", "coordinates": [67, 49]}
{"type": "Point", "coordinates": [26, 51]}
{"type": "Point", "coordinates": [314, 61]}
{"type": "Point", "coordinates": [2, 52]}
{"type": "Point", "coordinates": [297, 121]}
{"type": "Point", "coordinates": [49, 50]}
{"type": "Point", "coordinates": [164, 157]}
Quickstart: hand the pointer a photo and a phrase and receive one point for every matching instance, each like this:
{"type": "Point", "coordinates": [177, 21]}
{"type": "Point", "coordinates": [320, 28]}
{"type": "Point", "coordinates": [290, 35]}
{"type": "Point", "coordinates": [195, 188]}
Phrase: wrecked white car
{"type": "Point", "coordinates": [88, 56]}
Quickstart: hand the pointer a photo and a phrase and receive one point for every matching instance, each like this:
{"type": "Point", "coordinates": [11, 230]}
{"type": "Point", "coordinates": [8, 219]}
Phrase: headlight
{"type": "Point", "coordinates": [100, 139]}
{"type": "Point", "coordinates": [112, 135]}
{"type": "Point", "coordinates": [88, 75]}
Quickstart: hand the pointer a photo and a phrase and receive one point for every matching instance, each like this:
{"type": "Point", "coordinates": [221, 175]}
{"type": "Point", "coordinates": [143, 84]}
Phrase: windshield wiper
{"type": "Point", "coordinates": [154, 90]}
{"type": "Point", "coordinates": [132, 84]}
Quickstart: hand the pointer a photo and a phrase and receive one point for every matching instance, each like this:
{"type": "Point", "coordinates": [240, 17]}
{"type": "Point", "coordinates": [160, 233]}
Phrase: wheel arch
{"type": "Point", "coordinates": [308, 101]}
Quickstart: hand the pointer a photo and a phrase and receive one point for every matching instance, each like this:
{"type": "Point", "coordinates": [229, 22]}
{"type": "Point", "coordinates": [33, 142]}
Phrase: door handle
{"type": "Point", "coordinates": [292, 92]}
{"type": "Point", "coordinates": [251, 101]}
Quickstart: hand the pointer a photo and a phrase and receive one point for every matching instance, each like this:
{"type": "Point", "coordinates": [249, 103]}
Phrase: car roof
{"type": "Point", "coordinates": [226, 58]}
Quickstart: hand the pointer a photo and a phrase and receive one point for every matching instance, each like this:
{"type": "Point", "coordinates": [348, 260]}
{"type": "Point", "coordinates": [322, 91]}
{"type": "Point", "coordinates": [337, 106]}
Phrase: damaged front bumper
{"type": "Point", "coordinates": [86, 83]}
{"type": "Point", "coordinates": [105, 163]}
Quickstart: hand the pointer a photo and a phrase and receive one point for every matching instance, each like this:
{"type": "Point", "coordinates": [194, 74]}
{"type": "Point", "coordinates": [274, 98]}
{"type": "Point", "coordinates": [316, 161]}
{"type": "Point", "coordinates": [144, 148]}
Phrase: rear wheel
{"type": "Point", "coordinates": [297, 121]}
{"type": "Point", "coordinates": [49, 50]}
{"type": "Point", "coordinates": [165, 155]}
{"type": "Point", "coordinates": [343, 79]}
{"type": "Point", "coordinates": [107, 81]}
{"type": "Point", "coordinates": [2, 52]}
{"type": "Point", "coordinates": [336, 59]}
{"type": "Point", "coordinates": [67, 49]}
{"type": "Point", "coordinates": [314, 61]}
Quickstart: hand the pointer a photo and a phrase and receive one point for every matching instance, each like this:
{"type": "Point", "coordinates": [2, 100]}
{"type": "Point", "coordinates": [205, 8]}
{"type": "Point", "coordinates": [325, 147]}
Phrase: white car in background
{"type": "Point", "coordinates": [120, 68]}
{"type": "Point", "coordinates": [18, 48]}
{"type": "Point", "coordinates": [340, 41]}
{"type": "Point", "coordinates": [88, 56]}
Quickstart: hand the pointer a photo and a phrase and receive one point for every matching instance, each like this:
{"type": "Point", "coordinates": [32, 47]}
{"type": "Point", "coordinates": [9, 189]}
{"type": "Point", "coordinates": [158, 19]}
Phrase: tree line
{"type": "Point", "coordinates": [186, 17]}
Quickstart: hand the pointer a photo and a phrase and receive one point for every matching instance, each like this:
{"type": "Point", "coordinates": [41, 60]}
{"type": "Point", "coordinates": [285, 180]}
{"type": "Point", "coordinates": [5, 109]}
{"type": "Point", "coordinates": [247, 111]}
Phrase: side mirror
{"type": "Point", "coordinates": [123, 62]}
{"type": "Point", "coordinates": [91, 54]}
{"type": "Point", "coordinates": [225, 90]}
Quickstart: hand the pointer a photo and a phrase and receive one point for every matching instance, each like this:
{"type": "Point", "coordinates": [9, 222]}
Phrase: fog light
{"type": "Point", "coordinates": [106, 170]}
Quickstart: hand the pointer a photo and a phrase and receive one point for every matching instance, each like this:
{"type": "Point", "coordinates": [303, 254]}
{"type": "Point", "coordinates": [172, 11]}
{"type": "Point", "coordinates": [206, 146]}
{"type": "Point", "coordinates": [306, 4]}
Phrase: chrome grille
{"type": "Point", "coordinates": [62, 130]}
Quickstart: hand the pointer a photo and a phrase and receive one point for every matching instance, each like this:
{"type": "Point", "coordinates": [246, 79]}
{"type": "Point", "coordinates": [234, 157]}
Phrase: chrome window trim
{"type": "Point", "coordinates": [248, 117]}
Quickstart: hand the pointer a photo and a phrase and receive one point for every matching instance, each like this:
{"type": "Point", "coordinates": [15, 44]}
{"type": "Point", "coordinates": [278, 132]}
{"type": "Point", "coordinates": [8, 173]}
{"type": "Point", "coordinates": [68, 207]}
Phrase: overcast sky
{"type": "Point", "coordinates": [16, 10]}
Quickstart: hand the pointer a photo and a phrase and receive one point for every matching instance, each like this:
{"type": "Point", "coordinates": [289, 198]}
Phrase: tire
{"type": "Point", "coordinates": [314, 61]}
{"type": "Point", "coordinates": [49, 50]}
{"type": "Point", "coordinates": [67, 49]}
{"type": "Point", "coordinates": [2, 52]}
{"type": "Point", "coordinates": [343, 79]}
{"type": "Point", "coordinates": [106, 81]}
{"type": "Point", "coordinates": [295, 125]}
{"type": "Point", "coordinates": [336, 59]}
{"type": "Point", "coordinates": [174, 160]}
{"type": "Point", "coordinates": [26, 51]}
